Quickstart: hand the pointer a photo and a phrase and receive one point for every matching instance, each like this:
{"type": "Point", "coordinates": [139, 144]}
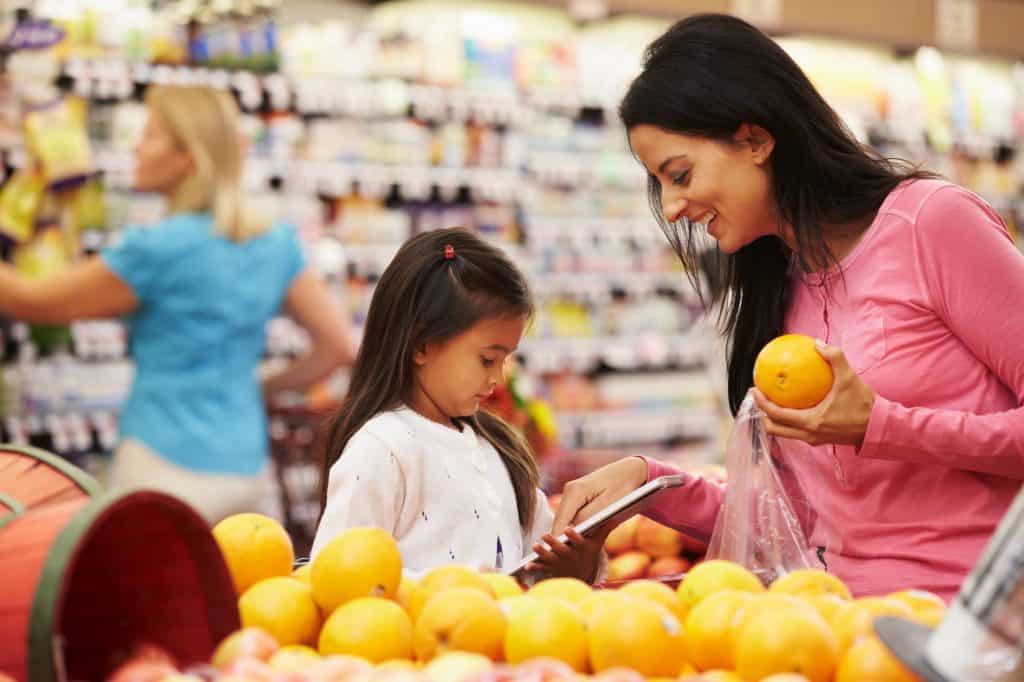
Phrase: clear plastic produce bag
{"type": "Point", "coordinates": [758, 525]}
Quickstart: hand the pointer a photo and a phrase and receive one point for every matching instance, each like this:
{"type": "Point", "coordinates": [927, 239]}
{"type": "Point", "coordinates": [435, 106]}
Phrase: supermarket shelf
{"type": "Point", "coordinates": [334, 178]}
{"type": "Point", "coordinates": [376, 257]}
{"type": "Point", "coordinates": [598, 286]}
{"type": "Point", "coordinates": [617, 428]}
{"type": "Point", "coordinates": [116, 77]}
{"type": "Point", "coordinates": [621, 352]}
{"type": "Point", "coordinates": [68, 431]}
{"type": "Point", "coordinates": [577, 168]}
{"type": "Point", "coordinates": [583, 231]}
{"type": "Point", "coordinates": [587, 284]}
{"type": "Point", "coordinates": [627, 352]}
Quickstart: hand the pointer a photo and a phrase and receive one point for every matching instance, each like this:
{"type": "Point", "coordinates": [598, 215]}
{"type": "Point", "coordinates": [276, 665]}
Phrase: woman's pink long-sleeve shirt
{"type": "Point", "coordinates": [930, 313]}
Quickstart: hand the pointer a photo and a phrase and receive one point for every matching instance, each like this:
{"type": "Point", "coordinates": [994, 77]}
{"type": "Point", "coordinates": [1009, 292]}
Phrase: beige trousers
{"type": "Point", "coordinates": [215, 496]}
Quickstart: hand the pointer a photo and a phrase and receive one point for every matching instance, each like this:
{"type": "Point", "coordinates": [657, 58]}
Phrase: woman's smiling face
{"type": "Point", "coordinates": [724, 186]}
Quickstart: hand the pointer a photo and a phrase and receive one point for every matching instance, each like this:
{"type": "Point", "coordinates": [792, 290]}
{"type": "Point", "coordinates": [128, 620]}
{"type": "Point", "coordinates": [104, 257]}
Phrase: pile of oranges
{"type": "Point", "coordinates": [352, 610]}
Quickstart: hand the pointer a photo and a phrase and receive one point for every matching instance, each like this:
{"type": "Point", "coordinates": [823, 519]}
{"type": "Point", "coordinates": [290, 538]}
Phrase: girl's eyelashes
{"type": "Point", "coordinates": [487, 362]}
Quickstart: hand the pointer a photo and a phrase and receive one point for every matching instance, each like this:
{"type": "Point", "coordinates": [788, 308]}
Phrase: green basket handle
{"type": "Point", "coordinates": [16, 507]}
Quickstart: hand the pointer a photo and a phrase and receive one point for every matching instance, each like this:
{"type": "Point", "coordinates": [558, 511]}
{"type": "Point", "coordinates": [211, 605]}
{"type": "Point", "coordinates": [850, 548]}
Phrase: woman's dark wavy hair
{"type": "Point", "coordinates": [425, 297]}
{"type": "Point", "coordinates": [708, 75]}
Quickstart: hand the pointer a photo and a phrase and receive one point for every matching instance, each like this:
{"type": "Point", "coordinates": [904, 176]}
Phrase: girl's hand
{"type": "Point", "coordinates": [841, 418]}
{"type": "Point", "coordinates": [580, 557]}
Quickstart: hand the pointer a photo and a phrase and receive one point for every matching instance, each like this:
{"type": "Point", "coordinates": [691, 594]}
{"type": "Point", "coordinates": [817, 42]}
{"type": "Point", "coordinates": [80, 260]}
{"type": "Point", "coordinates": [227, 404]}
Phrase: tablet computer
{"type": "Point", "coordinates": [615, 513]}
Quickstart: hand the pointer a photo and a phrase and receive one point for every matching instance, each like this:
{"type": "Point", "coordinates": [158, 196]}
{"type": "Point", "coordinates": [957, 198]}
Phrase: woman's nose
{"type": "Point", "coordinates": [673, 207]}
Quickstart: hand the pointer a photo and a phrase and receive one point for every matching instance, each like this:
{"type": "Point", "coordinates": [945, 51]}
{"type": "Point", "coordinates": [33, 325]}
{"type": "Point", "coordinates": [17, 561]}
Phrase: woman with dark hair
{"type": "Point", "coordinates": [911, 284]}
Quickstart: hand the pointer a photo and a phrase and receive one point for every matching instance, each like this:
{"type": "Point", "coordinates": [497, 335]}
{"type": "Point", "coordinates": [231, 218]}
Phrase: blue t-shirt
{"type": "Point", "coordinates": [198, 336]}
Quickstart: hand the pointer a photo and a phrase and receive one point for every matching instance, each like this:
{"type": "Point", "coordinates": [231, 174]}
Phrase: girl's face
{"type": "Point", "coordinates": [725, 186]}
{"type": "Point", "coordinates": [161, 163]}
{"type": "Point", "coordinates": [453, 377]}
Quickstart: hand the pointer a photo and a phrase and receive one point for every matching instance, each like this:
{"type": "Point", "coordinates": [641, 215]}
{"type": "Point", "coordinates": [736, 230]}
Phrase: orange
{"type": "Point", "coordinates": [708, 629]}
{"type": "Point", "coordinates": [360, 562]}
{"type": "Point", "coordinates": [293, 659]}
{"type": "Point", "coordinates": [808, 581]}
{"type": "Point", "coordinates": [456, 666]}
{"type": "Point", "coordinates": [334, 667]}
{"type": "Point", "coordinates": [623, 537]}
{"type": "Point", "coordinates": [828, 606]}
{"type": "Point", "coordinates": [460, 619]}
{"type": "Point", "coordinates": [502, 585]}
{"type": "Point", "coordinates": [406, 587]}
{"type": "Point", "coordinates": [716, 575]}
{"type": "Point", "coordinates": [513, 604]}
{"type": "Point", "coordinates": [919, 600]}
{"type": "Point", "coordinates": [786, 641]}
{"type": "Point", "coordinates": [571, 590]}
{"type": "Point", "coordinates": [541, 628]}
{"type": "Point", "coordinates": [374, 628]}
{"type": "Point", "coordinates": [717, 676]}
{"type": "Point", "coordinates": [284, 607]}
{"type": "Point", "coordinates": [869, 659]}
{"type": "Point", "coordinates": [858, 619]}
{"type": "Point", "coordinates": [750, 609]}
{"type": "Point", "coordinates": [599, 599]}
{"type": "Point", "coordinates": [655, 591]}
{"type": "Point", "coordinates": [637, 634]}
{"type": "Point", "coordinates": [791, 372]}
{"type": "Point", "coordinates": [399, 664]}
{"type": "Point", "coordinates": [445, 578]}
{"type": "Point", "coordinates": [786, 677]}
{"type": "Point", "coordinates": [255, 548]}
{"type": "Point", "coordinates": [302, 573]}
{"type": "Point", "coordinates": [245, 643]}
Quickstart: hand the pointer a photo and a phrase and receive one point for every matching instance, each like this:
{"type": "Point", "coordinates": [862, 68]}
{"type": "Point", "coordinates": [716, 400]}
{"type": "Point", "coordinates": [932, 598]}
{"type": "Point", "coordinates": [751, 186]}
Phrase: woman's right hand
{"type": "Point", "coordinates": [588, 495]}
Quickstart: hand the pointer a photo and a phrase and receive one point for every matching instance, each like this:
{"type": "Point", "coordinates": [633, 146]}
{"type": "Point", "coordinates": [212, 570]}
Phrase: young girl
{"type": "Point", "coordinates": [410, 451]}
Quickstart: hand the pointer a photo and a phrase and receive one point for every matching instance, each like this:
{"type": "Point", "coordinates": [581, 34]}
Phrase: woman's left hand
{"type": "Point", "coordinates": [841, 418]}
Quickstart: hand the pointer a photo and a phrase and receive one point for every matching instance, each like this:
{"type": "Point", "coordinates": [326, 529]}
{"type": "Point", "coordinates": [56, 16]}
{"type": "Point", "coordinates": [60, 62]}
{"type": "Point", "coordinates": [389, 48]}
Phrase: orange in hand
{"type": "Point", "coordinates": [791, 372]}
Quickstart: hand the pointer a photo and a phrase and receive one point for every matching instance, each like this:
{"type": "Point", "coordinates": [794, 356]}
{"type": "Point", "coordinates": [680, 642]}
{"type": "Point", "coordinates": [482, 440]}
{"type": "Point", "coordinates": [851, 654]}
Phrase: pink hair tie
{"type": "Point", "coordinates": [449, 252]}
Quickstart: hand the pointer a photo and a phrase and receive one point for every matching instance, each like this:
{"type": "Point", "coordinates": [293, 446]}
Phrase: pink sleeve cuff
{"type": "Point", "coordinates": [692, 508]}
{"type": "Point", "coordinates": [871, 447]}
{"type": "Point", "coordinates": [656, 468]}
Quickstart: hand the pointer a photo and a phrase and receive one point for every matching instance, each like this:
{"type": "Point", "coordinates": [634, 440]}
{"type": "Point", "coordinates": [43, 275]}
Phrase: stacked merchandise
{"type": "Point", "coordinates": [354, 615]}
{"type": "Point", "coordinates": [52, 205]}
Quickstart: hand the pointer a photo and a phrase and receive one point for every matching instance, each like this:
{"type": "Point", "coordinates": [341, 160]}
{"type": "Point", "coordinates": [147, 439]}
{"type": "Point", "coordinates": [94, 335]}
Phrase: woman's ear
{"type": "Point", "coordinates": [757, 140]}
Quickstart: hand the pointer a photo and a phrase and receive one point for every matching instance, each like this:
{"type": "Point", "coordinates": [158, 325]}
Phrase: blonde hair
{"type": "Point", "coordinates": [205, 122]}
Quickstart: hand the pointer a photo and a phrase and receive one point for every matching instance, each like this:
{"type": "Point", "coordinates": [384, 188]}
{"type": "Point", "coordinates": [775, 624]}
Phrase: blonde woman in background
{"type": "Point", "coordinates": [196, 291]}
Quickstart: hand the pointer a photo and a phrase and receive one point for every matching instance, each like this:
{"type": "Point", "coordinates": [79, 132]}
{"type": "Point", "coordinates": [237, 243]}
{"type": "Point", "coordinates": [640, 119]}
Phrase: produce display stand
{"type": "Point", "coordinates": [89, 575]}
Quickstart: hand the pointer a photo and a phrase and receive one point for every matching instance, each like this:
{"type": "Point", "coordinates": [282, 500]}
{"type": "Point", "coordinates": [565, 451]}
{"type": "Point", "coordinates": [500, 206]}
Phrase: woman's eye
{"type": "Point", "coordinates": [681, 177]}
{"type": "Point", "coordinates": [487, 362]}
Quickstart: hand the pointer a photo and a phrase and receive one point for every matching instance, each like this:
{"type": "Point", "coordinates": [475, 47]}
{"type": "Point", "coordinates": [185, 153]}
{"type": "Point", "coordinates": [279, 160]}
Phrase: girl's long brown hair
{"type": "Point", "coordinates": [422, 298]}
